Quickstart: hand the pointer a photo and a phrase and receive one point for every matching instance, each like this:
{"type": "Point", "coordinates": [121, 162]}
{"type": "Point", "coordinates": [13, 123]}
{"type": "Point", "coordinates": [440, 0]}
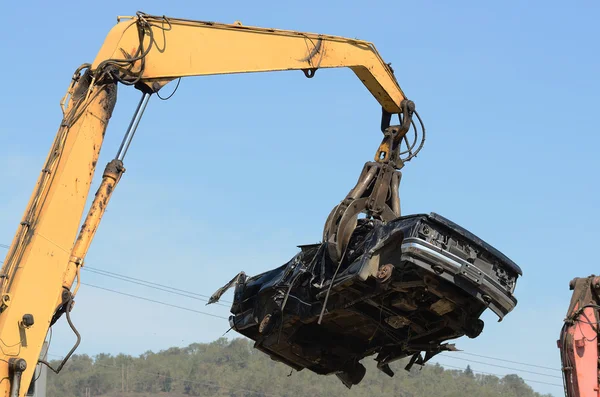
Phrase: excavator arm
{"type": "Point", "coordinates": [40, 276]}
{"type": "Point", "coordinates": [158, 50]}
{"type": "Point", "coordinates": [578, 341]}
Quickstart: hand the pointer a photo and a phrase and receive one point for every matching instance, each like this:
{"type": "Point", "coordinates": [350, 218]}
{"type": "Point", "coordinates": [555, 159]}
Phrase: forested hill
{"type": "Point", "coordinates": [235, 369]}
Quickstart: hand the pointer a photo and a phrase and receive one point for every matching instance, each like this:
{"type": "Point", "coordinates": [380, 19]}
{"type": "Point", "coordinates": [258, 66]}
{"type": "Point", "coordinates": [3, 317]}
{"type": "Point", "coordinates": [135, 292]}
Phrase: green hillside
{"type": "Point", "coordinates": [235, 369]}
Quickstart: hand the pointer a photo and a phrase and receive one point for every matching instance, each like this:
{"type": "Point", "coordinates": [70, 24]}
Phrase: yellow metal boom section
{"type": "Point", "coordinates": [47, 252]}
{"type": "Point", "coordinates": [179, 48]}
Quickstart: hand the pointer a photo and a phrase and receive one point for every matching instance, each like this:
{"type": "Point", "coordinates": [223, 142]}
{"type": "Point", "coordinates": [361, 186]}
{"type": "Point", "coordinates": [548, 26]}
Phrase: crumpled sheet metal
{"type": "Point", "coordinates": [240, 277]}
{"type": "Point", "coordinates": [442, 279]}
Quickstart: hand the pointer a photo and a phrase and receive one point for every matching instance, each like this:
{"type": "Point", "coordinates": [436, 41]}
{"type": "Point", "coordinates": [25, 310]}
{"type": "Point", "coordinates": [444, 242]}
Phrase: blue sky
{"type": "Point", "coordinates": [509, 94]}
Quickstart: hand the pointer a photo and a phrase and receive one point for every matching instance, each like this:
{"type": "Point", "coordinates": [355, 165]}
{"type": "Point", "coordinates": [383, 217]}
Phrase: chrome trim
{"type": "Point", "coordinates": [416, 246]}
{"type": "Point", "coordinates": [416, 250]}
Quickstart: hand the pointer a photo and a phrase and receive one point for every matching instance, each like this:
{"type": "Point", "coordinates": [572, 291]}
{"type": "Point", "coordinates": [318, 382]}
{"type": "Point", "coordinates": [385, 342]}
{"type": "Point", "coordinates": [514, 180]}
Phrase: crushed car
{"type": "Point", "coordinates": [402, 289]}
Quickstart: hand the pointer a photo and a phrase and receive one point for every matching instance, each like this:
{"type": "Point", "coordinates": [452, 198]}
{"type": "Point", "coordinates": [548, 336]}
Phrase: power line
{"type": "Point", "coordinates": [509, 361]}
{"type": "Point", "coordinates": [501, 366]}
{"type": "Point", "coordinates": [443, 355]}
{"type": "Point", "coordinates": [255, 391]}
{"type": "Point", "coordinates": [146, 282]}
{"type": "Point", "coordinates": [149, 284]}
{"type": "Point", "coordinates": [194, 295]}
{"type": "Point", "coordinates": [155, 301]}
{"type": "Point", "coordinates": [499, 375]}
{"type": "Point", "coordinates": [4, 246]}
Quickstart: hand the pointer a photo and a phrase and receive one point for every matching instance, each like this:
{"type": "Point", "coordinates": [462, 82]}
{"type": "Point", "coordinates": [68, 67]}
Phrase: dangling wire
{"type": "Point", "coordinates": [68, 305]}
{"type": "Point", "coordinates": [173, 93]}
{"type": "Point", "coordinates": [410, 147]}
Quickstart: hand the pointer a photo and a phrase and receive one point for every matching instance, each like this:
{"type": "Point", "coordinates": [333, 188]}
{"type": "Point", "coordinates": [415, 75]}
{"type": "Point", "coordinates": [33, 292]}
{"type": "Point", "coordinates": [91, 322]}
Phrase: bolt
{"type": "Point", "coordinates": [27, 320]}
{"type": "Point", "coordinates": [17, 364]}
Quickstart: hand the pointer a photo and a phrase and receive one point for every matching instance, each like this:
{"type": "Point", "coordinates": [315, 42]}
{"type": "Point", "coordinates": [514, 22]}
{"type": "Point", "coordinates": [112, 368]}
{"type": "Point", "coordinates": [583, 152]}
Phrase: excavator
{"type": "Point", "coordinates": [578, 341]}
{"type": "Point", "coordinates": [41, 274]}
{"type": "Point", "coordinates": [405, 284]}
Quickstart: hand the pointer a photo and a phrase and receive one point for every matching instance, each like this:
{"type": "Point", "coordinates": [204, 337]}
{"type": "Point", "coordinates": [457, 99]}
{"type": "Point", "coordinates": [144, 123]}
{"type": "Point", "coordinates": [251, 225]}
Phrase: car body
{"type": "Point", "coordinates": [402, 289]}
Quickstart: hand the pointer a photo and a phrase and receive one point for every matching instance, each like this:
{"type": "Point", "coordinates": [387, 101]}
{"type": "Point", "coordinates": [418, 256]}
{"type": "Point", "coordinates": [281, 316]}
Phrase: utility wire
{"type": "Point", "coordinates": [155, 301]}
{"type": "Point", "coordinates": [509, 361]}
{"type": "Point", "coordinates": [4, 246]}
{"type": "Point", "coordinates": [500, 375]}
{"type": "Point", "coordinates": [500, 366]}
{"type": "Point", "coordinates": [133, 280]}
{"type": "Point", "coordinates": [254, 391]}
{"type": "Point", "coordinates": [443, 355]}
{"type": "Point", "coordinates": [148, 284]}
{"type": "Point", "coordinates": [96, 270]}
{"type": "Point", "coordinates": [194, 295]}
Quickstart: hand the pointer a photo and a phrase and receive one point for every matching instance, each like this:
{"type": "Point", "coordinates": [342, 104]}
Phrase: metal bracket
{"type": "Point", "coordinates": [471, 273]}
{"type": "Point", "coordinates": [389, 149]}
{"type": "Point", "coordinates": [375, 194]}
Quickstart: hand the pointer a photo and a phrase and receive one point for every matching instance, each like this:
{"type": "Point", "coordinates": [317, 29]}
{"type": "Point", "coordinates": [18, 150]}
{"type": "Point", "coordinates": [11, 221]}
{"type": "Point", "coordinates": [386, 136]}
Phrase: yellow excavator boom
{"type": "Point", "coordinates": [180, 48]}
{"type": "Point", "coordinates": [40, 275]}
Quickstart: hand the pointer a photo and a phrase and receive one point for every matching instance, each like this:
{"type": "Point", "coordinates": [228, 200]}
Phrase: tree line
{"type": "Point", "coordinates": [233, 368]}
